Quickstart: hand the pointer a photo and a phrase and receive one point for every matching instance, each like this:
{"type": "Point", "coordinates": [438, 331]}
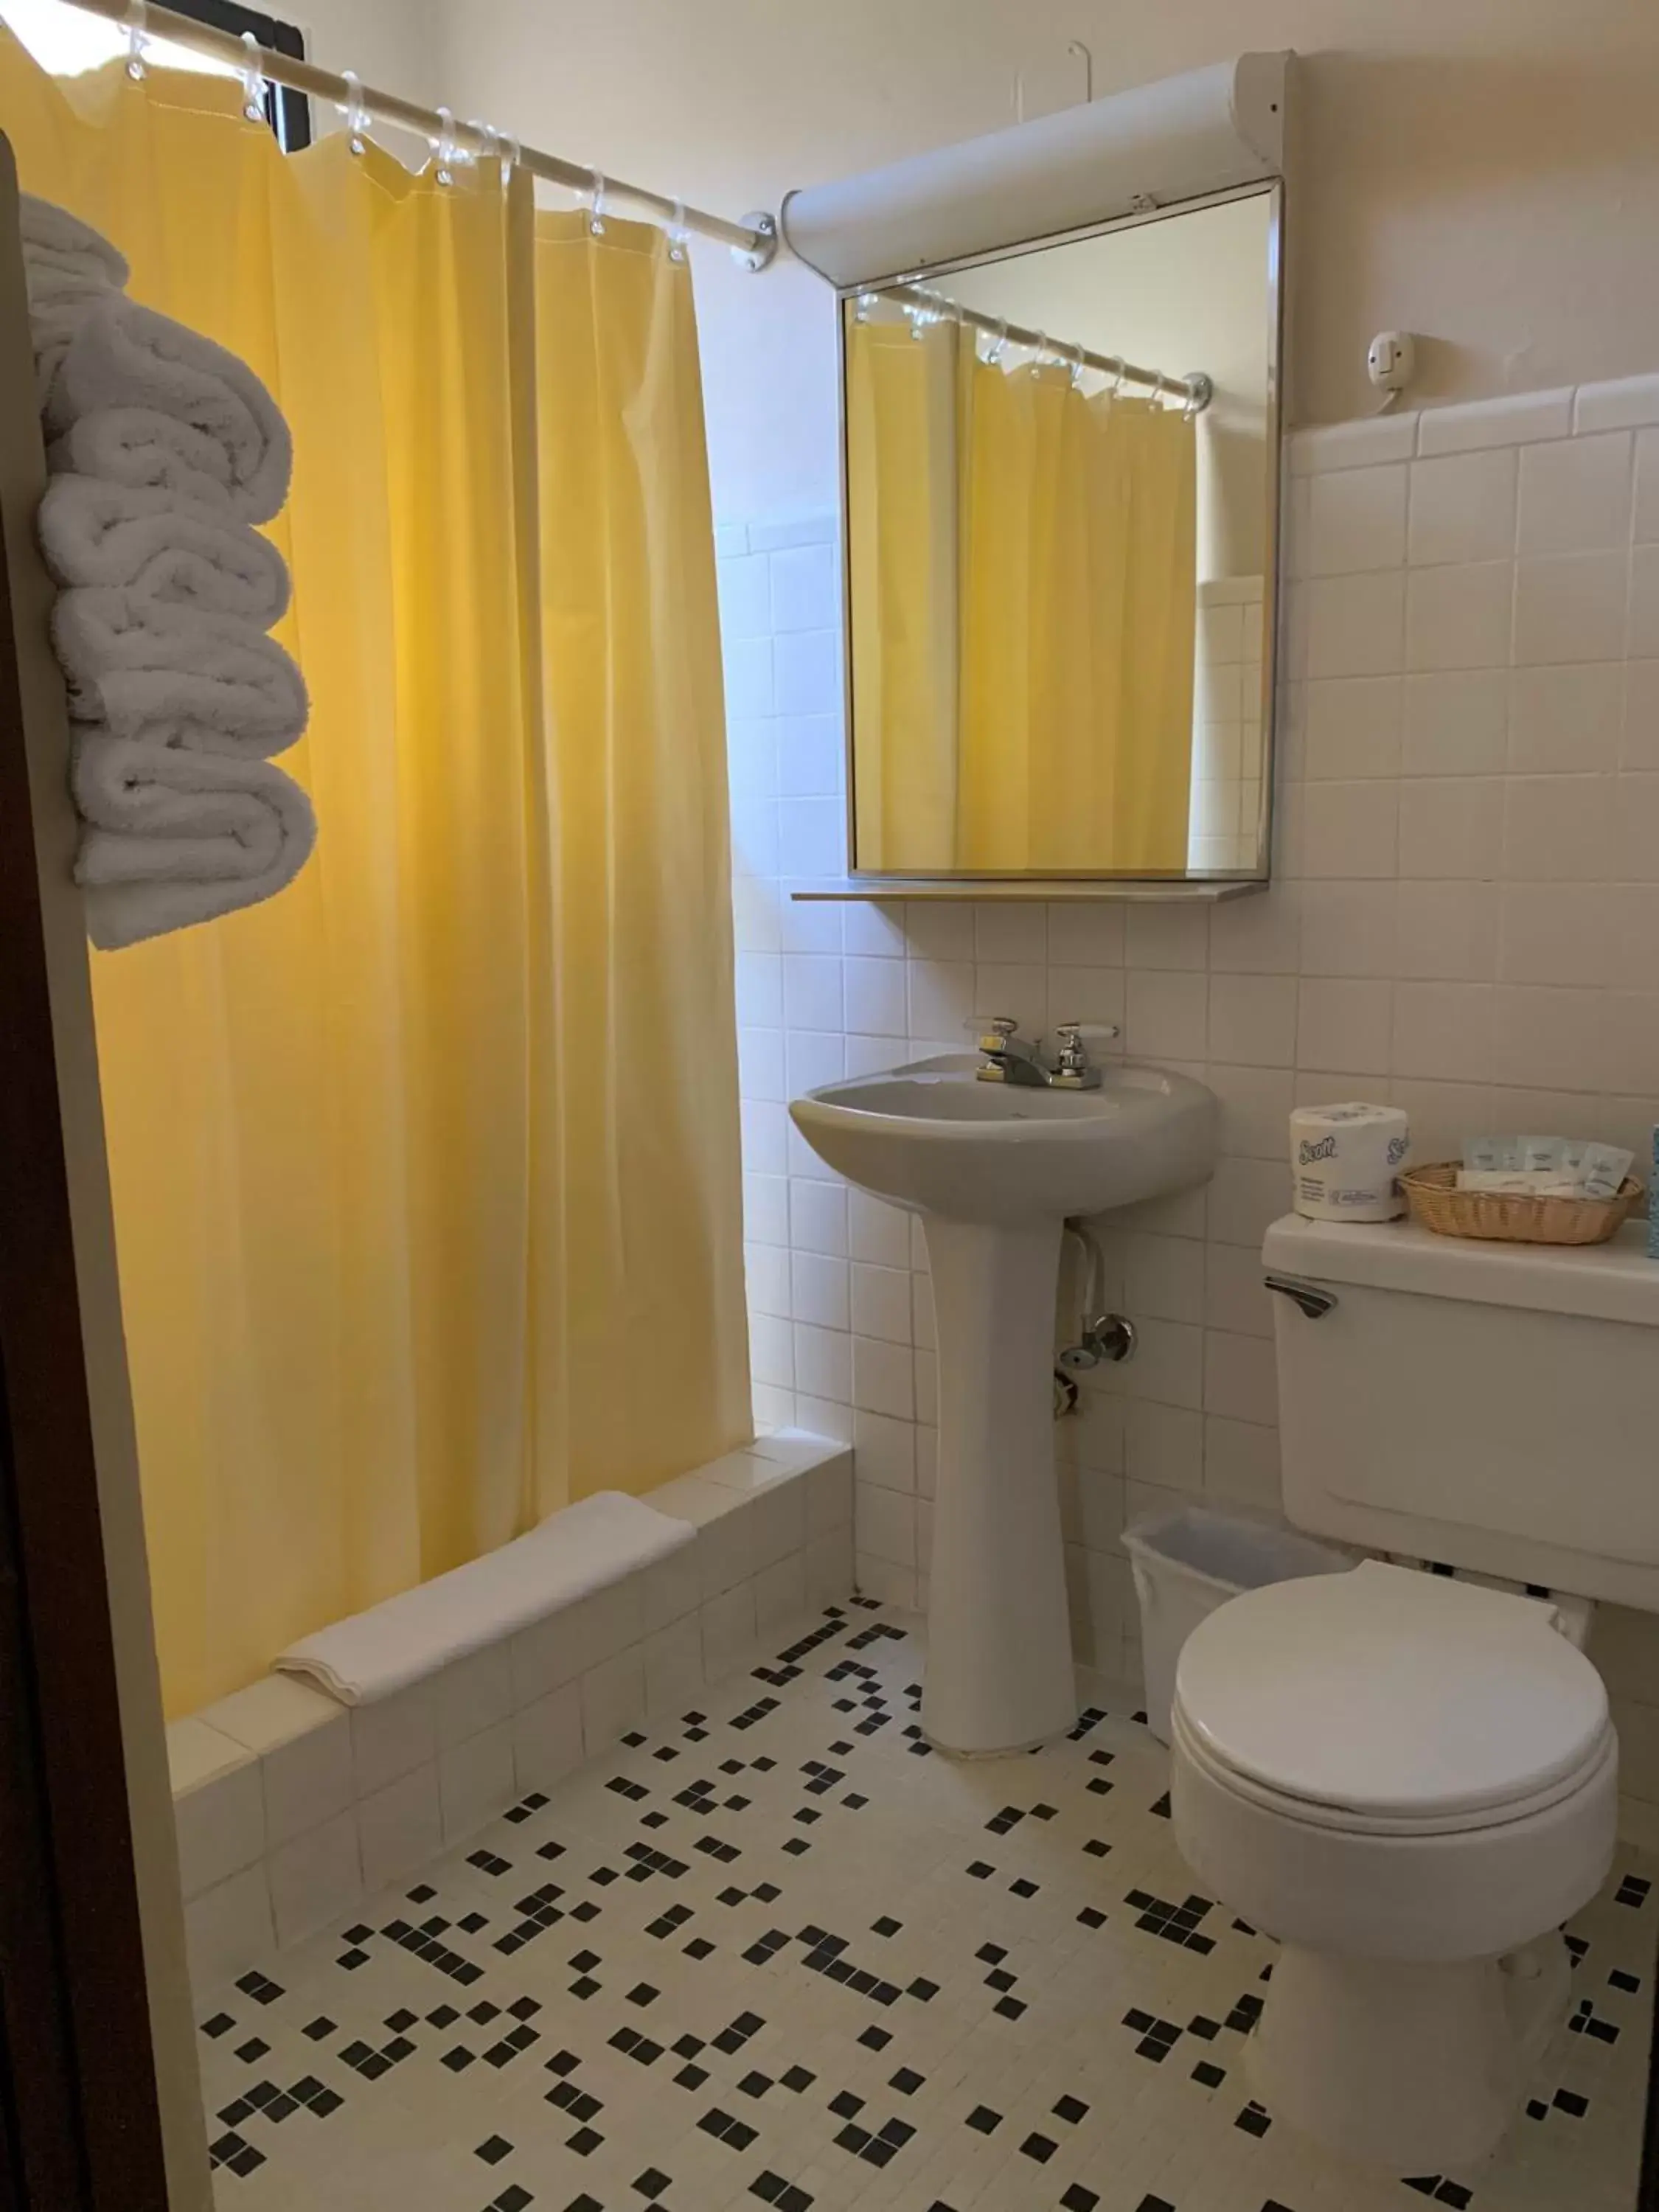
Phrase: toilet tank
{"type": "Point", "coordinates": [1491, 1405]}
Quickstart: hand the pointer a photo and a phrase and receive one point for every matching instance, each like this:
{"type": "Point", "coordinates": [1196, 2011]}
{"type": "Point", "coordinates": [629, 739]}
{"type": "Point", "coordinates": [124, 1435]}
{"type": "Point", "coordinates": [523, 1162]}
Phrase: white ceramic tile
{"type": "Point", "coordinates": [1168, 1365]}
{"type": "Point", "coordinates": [1462, 509]}
{"type": "Point", "coordinates": [1365, 443]}
{"type": "Point", "coordinates": [747, 664]}
{"type": "Point", "coordinates": [1351, 726]}
{"type": "Point", "coordinates": [806, 588]}
{"type": "Point", "coordinates": [807, 672]}
{"type": "Point", "coordinates": [197, 1752]}
{"type": "Point", "coordinates": [1254, 1102]}
{"type": "Point", "coordinates": [1085, 934]}
{"type": "Point", "coordinates": [309, 1779]}
{"type": "Point", "coordinates": [942, 999]}
{"type": "Point", "coordinates": [1164, 1444]}
{"type": "Point", "coordinates": [823, 1364]}
{"type": "Point", "coordinates": [1447, 930]}
{"type": "Point", "coordinates": [1017, 932]}
{"type": "Point", "coordinates": [1260, 934]}
{"type": "Point", "coordinates": [1460, 616]}
{"type": "Point", "coordinates": [875, 995]}
{"type": "Point", "coordinates": [818, 1290]}
{"type": "Point", "coordinates": [881, 1302]}
{"type": "Point", "coordinates": [1638, 811]}
{"type": "Point", "coordinates": [1620, 405]}
{"type": "Point", "coordinates": [227, 1927]}
{"type": "Point", "coordinates": [1451, 826]}
{"type": "Point", "coordinates": [810, 755]}
{"type": "Point", "coordinates": [1240, 1462]}
{"type": "Point", "coordinates": [1234, 1296]}
{"type": "Point", "coordinates": [1646, 525]}
{"type": "Point", "coordinates": [1356, 625]}
{"type": "Point", "coordinates": [766, 1276]}
{"type": "Point", "coordinates": [1166, 1014]}
{"type": "Point", "coordinates": [728, 1631]}
{"type": "Point", "coordinates": [221, 1826]}
{"type": "Point", "coordinates": [1576, 495]}
{"type": "Point", "coordinates": [744, 601]}
{"type": "Point", "coordinates": [1566, 719]}
{"type": "Point", "coordinates": [772, 536]}
{"type": "Point", "coordinates": [613, 1700]}
{"type": "Point", "coordinates": [884, 1525]}
{"type": "Point", "coordinates": [476, 1779]}
{"type": "Point", "coordinates": [547, 1739]}
{"type": "Point", "coordinates": [1348, 928]}
{"type": "Point", "coordinates": [1455, 723]}
{"type": "Point", "coordinates": [1561, 827]}
{"type": "Point", "coordinates": [1514, 419]}
{"type": "Point", "coordinates": [811, 837]}
{"type": "Point", "coordinates": [1444, 1030]}
{"type": "Point", "coordinates": [1164, 1276]}
{"type": "Point", "coordinates": [473, 1694]}
{"type": "Point", "coordinates": [1356, 521]}
{"type": "Point", "coordinates": [1253, 1020]}
{"type": "Point", "coordinates": [818, 1218]}
{"type": "Point", "coordinates": [1087, 994]}
{"type": "Point", "coordinates": [316, 1878]}
{"type": "Point", "coordinates": [1644, 631]}
{"type": "Point", "coordinates": [1240, 1378]}
{"type": "Point", "coordinates": [1571, 608]}
{"type": "Point", "coordinates": [1246, 1195]}
{"type": "Point", "coordinates": [877, 1231]}
{"type": "Point", "coordinates": [400, 1828]}
{"type": "Point", "coordinates": [1350, 829]}
{"type": "Point", "coordinates": [393, 1736]}
{"type": "Point", "coordinates": [812, 1057]}
{"type": "Point", "coordinates": [1345, 1023]}
{"type": "Point", "coordinates": [883, 1377]}
{"type": "Point", "coordinates": [812, 997]}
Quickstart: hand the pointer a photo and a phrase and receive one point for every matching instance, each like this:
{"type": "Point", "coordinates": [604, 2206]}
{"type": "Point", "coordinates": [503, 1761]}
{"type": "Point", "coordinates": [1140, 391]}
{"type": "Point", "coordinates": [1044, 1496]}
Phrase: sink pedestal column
{"type": "Point", "coordinates": [1000, 1675]}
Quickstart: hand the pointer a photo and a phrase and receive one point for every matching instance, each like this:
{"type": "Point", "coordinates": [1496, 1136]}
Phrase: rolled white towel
{"type": "Point", "coordinates": [127, 356]}
{"type": "Point", "coordinates": [149, 451]}
{"type": "Point", "coordinates": [172, 676]}
{"type": "Point", "coordinates": [53, 237]}
{"type": "Point", "coordinates": [164, 551]}
{"type": "Point", "coordinates": [173, 838]}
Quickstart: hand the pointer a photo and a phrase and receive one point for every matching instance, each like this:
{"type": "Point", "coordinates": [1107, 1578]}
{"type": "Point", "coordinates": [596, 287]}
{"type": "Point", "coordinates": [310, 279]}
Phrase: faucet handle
{"type": "Point", "coordinates": [1076, 1038]}
{"type": "Point", "coordinates": [992, 1031]}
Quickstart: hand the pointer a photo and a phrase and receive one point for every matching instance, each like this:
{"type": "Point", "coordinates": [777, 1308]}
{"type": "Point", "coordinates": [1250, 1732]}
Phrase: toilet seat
{"type": "Point", "coordinates": [1389, 1702]}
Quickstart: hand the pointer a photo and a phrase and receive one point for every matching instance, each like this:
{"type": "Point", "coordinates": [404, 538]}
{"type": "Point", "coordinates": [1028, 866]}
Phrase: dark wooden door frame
{"type": "Point", "coordinates": [81, 2100]}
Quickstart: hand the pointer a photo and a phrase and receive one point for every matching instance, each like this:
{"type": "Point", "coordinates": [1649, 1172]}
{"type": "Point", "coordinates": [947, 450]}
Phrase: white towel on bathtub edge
{"type": "Point", "coordinates": [54, 237]}
{"type": "Point", "coordinates": [584, 1548]}
{"type": "Point", "coordinates": [170, 838]}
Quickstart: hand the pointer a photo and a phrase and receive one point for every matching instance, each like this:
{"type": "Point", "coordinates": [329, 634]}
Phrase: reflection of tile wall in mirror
{"type": "Point", "coordinates": [1057, 619]}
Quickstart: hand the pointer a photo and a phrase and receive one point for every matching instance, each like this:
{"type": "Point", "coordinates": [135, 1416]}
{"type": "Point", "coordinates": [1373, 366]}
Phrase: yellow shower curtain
{"type": "Point", "coordinates": [426, 1173]}
{"type": "Point", "coordinates": [1024, 624]}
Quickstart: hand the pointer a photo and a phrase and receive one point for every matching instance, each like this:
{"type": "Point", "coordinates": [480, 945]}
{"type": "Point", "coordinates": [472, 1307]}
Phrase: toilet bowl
{"type": "Point", "coordinates": [1411, 1782]}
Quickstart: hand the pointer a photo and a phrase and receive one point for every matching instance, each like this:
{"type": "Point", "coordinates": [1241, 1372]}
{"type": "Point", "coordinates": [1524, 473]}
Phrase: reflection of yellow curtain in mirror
{"type": "Point", "coordinates": [426, 1174]}
{"type": "Point", "coordinates": [1045, 541]}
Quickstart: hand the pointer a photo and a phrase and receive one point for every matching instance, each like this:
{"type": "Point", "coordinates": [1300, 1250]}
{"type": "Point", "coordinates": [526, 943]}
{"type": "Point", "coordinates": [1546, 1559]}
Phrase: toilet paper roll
{"type": "Point", "coordinates": [1346, 1162]}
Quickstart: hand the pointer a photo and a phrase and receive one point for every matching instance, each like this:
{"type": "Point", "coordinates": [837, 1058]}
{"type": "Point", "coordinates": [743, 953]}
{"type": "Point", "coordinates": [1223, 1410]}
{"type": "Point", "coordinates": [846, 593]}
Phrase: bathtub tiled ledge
{"type": "Point", "coordinates": [290, 1806]}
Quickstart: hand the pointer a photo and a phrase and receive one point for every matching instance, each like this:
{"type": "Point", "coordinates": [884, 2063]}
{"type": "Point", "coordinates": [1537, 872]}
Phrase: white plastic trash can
{"type": "Point", "coordinates": [1186, 1564]}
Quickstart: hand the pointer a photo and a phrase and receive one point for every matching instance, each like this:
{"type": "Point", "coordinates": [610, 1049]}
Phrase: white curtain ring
{"type": "Point", "coordinates": [1001, 345]}
{"type": "Point", "coordinates": [136, 17]}
{"type": "Point", "coordinates": [1077, 366]}
{"type": "Point", "coordinates": [356, 115]}
{"type": "Point", "coordinates": [677, 243]}
{"type": "Point", "coordinates": [255, 84]}
{"type": "Point", "coordinates": [511, 155]}
{"type": "Point", "coordinates": [444, 148]}
{"type": "Point", "coordinates": [596, 205]}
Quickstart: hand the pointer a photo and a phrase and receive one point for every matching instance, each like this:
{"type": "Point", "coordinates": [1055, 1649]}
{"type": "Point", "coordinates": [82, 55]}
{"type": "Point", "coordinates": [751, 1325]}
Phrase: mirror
{"type": "Point", "coordinates": [1061, 470]}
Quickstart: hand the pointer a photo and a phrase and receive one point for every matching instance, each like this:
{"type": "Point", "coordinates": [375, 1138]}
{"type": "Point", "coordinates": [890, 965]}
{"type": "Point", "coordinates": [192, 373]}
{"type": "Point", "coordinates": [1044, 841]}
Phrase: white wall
{"type": "Point", "coordinates": [1486, 173]}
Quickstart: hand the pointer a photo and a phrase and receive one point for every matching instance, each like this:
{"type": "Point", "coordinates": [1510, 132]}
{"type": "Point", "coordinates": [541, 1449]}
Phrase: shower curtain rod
{"type": "Point", "coordinates": [1196, 389]}
{"type": "Point", "coordinates": [754, 240]}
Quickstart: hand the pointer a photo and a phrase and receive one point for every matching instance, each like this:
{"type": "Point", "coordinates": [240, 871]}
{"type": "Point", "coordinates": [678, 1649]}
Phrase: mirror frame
{"type": "Point", "coordinates": [1110, 883]}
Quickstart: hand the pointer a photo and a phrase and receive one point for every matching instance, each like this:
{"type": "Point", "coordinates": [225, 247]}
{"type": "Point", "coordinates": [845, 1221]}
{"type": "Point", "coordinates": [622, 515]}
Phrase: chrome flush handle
{"type": "Point", "coordinates": [1313, 1301]}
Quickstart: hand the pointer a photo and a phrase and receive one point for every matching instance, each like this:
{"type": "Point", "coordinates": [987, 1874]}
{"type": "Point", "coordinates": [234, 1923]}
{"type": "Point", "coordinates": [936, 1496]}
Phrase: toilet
{"type": "Point", "coordinates": [1410, 1780]}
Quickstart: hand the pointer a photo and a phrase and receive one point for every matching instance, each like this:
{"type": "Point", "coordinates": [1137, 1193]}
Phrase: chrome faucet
{"type": "Point", "coordinates": [1010, 1057]}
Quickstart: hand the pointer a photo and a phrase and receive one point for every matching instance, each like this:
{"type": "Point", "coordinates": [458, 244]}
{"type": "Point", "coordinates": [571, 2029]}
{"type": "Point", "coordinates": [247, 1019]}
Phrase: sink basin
{"type": "Point", "coordinates": [994, 1170]}
{"type": "Point", "coordinates": [932, 1138]}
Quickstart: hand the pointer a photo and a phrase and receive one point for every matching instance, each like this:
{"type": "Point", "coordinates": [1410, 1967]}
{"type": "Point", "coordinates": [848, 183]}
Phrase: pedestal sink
{"type": "Point", "coordinates": [994, 1170]}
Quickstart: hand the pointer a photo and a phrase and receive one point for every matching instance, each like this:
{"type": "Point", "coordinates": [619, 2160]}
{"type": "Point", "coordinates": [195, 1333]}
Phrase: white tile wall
{"type": "Point", "coordinates": [1465, 918]}
{"type": "Point", "coordinates": [289, 1805]}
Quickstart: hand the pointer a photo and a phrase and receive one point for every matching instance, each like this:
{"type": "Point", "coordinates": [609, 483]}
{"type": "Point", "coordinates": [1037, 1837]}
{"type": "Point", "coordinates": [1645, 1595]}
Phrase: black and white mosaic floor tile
{"type": "Point", "coordinates": [777, 1953]}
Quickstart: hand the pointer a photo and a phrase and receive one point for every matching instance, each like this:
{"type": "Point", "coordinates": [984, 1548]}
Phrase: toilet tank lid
{"type": "Point", "coordinates": [1615, 1281]}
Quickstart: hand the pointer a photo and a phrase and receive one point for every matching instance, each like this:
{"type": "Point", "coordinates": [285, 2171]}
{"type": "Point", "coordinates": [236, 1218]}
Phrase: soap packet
{"type": "Point", "coordinates": [1543, 1167]}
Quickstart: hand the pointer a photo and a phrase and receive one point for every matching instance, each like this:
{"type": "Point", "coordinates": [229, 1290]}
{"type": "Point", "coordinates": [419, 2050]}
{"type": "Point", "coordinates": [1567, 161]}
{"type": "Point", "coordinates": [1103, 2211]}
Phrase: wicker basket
{"type": "Point", "coordinates": [1436, 1201]}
